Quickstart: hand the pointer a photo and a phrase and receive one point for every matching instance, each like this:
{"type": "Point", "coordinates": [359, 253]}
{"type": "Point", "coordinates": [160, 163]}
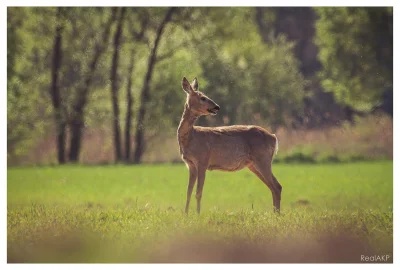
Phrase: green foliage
{"type": "Point", "coordinates": [249, 78]}
{"type": "Point", "coordinates": [14, 44]}
{"type": "Point", "coordinates": [356, 50]}
{"type": "Point", "coordinates": [28, 110]}
{"type": "Point", "coordinates": [67, 213]}
{"type": "Point", "coordinates": [299, 157]}
{"type": "Point", "coordinates": [250, 72]}
{"type": "Point", "coordinates": [245, 76]}
{"type": "Point", "coordinates": [22, 118]}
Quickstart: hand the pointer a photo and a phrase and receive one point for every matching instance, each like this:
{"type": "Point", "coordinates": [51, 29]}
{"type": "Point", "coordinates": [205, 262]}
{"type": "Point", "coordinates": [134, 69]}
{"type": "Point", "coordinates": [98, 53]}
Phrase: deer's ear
{"type": "Point", "coordinates": [195, 84]}
{"type": "Point", "coordinates": [186, 86]}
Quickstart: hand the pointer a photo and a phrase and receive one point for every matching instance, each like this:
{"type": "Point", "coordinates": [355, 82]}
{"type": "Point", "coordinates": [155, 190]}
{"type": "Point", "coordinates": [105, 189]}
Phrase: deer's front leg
{"type": "Point", "coordinates": [200, 185]}
{"type": "Point", "coordinates": [192, 181]}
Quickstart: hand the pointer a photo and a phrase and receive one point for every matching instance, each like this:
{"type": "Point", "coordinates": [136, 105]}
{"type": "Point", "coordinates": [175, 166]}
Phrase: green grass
{"type": "Point", "coordinates": [135, 214]}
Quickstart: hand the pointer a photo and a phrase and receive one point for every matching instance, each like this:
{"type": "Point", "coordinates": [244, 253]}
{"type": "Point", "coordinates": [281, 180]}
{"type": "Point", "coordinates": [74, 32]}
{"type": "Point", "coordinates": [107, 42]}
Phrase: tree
{"type": "Point", "coordinates": [144, 97]}
{"type": "Point", "coordinates": [136, 37]}
{"type": "Point", "coordinates": [243, 75]}
{"type": "Point", "coordinates": [253, 77]}
{"type": "Point", "coordinates": [356, 51]}
{"type": "Point", "coordinates": [59, 118]}
{"type": "Point", "coordinates": [249, 75]}
{"type": "Point", "coordinates": [28, 109]}
{"type": "Point", "coordinates": [297, 24]}
{"type": "Point", "coordinates": [114, 85]}
{"type": "Point", "coordinates": [81, 97]}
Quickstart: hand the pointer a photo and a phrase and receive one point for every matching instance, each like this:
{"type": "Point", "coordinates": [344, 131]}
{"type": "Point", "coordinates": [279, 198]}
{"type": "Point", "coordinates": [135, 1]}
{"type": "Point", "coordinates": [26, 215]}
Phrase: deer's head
{"type": "Point", "coordinates": [197, 102]}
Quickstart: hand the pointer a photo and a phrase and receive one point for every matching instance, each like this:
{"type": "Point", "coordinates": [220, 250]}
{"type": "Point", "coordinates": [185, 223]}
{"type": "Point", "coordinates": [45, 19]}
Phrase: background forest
{"type": "Point", "coordinates": [102, 85]}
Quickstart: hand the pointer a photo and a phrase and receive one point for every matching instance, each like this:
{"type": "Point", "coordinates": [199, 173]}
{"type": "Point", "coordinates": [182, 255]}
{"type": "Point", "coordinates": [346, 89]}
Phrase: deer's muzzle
{"type": "Point", "coordinates": [214, 110]}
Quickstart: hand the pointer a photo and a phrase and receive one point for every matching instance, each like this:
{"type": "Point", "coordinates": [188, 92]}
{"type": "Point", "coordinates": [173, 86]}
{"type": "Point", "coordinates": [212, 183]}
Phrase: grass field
{"type": "Point", "coordinates": [330, 213]}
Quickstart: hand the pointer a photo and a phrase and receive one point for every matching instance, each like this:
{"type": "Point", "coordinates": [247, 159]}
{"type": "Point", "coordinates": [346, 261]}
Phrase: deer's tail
{"type": "Point", "coordinates": [276, 145]}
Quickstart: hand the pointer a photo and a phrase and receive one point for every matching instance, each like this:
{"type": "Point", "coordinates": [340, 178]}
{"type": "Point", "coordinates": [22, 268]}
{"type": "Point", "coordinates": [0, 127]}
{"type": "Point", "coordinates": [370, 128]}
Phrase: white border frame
{"type": "Point", "coordinates": [3, 141]}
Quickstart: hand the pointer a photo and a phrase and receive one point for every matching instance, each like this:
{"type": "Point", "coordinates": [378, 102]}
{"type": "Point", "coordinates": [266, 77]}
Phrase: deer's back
{"type": "Point", "coordinates": [250, 133]}
{"type": "Point", "coordinates": [232, 148]}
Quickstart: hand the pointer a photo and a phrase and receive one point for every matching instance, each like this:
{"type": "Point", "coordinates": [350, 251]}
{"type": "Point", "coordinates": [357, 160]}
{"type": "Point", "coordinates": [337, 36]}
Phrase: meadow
{"type": "Point", "coordinates": [118, 213]}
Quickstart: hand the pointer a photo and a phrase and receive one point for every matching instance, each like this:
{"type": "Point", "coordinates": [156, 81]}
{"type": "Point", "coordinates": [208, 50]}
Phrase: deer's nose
{"type": "Point", "coordinates": [217, 108]}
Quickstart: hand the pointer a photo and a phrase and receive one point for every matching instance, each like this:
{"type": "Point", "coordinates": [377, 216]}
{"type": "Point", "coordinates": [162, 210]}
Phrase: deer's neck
{"type": "Point", "coordinates": [185, 128]}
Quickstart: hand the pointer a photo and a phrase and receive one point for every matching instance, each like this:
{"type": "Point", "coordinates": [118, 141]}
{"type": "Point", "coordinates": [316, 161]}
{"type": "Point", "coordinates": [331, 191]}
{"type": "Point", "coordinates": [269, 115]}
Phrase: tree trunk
{"type": "Point", "coordinates": [136, 36]}
{"type": "Point", "coordinates": [114, 86]}
{"type": "Point", "coordinates": [144, 97]}
{"type": "Point", "coordinates": [129, 99]}
{"type": "Point", "coordinates": [59, 118]}
{"type": "Point", "coordinates": [77, 117]}
{"type": "Point", "coordinates": [76, 137]}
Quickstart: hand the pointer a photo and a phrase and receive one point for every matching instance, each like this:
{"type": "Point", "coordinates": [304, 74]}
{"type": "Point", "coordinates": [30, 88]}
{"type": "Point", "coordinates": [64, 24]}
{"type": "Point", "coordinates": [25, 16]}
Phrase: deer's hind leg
{"type": "Point", "coordinates": [262, 168]}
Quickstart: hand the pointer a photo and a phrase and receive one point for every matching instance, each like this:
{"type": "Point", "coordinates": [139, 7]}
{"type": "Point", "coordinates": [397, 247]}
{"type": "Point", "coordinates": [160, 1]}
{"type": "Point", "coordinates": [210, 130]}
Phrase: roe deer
{"type": "Point", "coordinates": [228, 148]}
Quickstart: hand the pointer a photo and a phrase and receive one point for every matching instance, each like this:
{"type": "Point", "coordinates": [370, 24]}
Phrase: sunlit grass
{"type": "Point", "coordinates": [131, 213]}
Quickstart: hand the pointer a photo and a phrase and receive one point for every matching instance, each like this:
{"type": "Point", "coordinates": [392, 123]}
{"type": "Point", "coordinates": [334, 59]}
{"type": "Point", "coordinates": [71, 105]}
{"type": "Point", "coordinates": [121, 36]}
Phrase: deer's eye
{"type": "Point", "coordinates": [203, 98]}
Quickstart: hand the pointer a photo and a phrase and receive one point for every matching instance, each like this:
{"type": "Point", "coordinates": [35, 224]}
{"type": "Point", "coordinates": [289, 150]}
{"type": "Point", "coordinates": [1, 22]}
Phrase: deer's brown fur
{"type": "Point", "coordinates": [228, 148]}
